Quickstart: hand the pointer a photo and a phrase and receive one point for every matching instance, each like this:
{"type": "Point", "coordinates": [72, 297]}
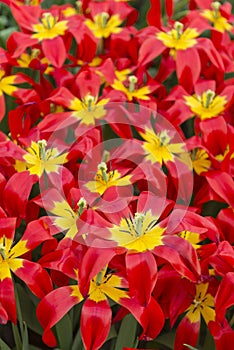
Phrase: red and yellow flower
{"type": "Point", "coordinates": [7, 86]}
{"type": "Point", "coordinates": [219, 15]}
{"type": "Point", "coordinates": [183, 44]}
{"type": "Point", "coordinates": [11, 261]}
{"type": "Point", "coordinates": [202, 306]}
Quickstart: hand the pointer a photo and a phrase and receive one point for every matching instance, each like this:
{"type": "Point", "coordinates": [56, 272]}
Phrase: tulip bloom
{"type": "Point", "coordinates": [96, 311]}
{"type": "Point", "coordinates": [184, 45]}
{"type": "Point", "coordinates": [202, 305]}
{"type": "Point", "coordinates": [86, 110]}
{"type": "Point", "coordinates": [35, 277]}
{"type": "Point", "coordinates": [7, 86]}
{"type": "Point", "coordinates": [207, 102]}
{"type": "Point", "coordinates": [219, 15]}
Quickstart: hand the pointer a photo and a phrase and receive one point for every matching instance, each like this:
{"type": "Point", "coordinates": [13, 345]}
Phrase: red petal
{"type": "Point", "coordinates": [188, 73]}
{"type": "Point", "coordinates": [152, 319]}
{"type": "Point", "coordinates": [95, 323]}
{"type": "Point", "coordinates": [225, 296]}
{"type": "Point", "coordinates": [19, 42]}
{"type": "Point", "coordinates": [142, 275]}
{"type": "Point", "coordinates": [187, 333]}
{"type": "Point", "coordinates": [16, 193]}
{"type": "Point", "coordinates": [174, 258]}
{"type": "Point", "coordinates": [7, 227]}
{"type": "Point", "coordinates": [169, 7]}
{"type": "Point", "coordinates": [223, 334]}
{"type": "Point", "coordinates": [55, 51]}
{"type": "Point", "coordinates": [2, 106]}
{"type": "Point", "coordinates": [223, 259]}
{"type": "Point", "coordinates": [7, 299]}
{"type": "Point", "coordinates": [186, 251]}
{"type": "Point", "coordinates": [57, 121]}
{"type": "Point", "coordinates": [154, 14]}
{"type": "Point", "coordinates": [207, 46]}
{"type": "Point", "coordinates": [93, 262]}
{"type": "Point", "coordinates": [149, 50]}
{"type": "Point", "coordinates": [36, 233]}
{"type": "Point", "coordinates": [3, 315]}
{"type": "Point", "coordinates": [25, 15]}
{"type": "Point", "coordinates": [222, 184]}
{"type": "Point", "coordinates": [52, 308]}
{"type": "Point", "coordinates": [35, 277]}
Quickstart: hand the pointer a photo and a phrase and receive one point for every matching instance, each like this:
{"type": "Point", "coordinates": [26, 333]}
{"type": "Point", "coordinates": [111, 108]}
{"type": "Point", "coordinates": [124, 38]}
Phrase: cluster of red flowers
{"type": "Point", "coordinates": [116, 175]}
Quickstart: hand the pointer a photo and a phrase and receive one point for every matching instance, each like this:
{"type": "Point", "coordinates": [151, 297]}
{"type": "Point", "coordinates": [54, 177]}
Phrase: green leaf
{"type": "Point", "coordinates": [5, 33]}
{"type": "Point", "coordinates": [28, 310]}
{"type": "Point", "coordinates": [3, 345]}
{"type": "Point", "coordinates": [64, 333]}
{"type": "Point", "coordinates": [112, 334]}
{"type": "Point", "coordinates": [17, 338]}
{"type": "Point", "coordinates": [19, 313]}
{"type": "Point", "coordinates": [25, 338]}
{"type": "Point", "coordinates": [77, 343]}
{"type": "Point", "coordinates": [166, 339]}
{"type": "Point", "coordinates": [190, 347]}
{"type": "Point", "coordinates": [209, 341]}
{"type": "Point", "coordinates": [3, 21]}
{"type": "Point", "coordinates": [127, 333]}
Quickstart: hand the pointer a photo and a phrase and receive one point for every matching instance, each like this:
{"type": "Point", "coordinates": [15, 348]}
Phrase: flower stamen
{"type": "Point", "coordinates": [103, 168]}
{"type": "Point", "coordinates": [132, 83]}
{"type": "Point", "coordinates": [179, 27]}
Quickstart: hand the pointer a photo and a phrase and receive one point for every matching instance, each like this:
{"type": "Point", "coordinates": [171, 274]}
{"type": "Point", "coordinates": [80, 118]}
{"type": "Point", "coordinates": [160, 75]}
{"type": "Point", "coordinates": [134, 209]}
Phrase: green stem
{"type": "Point", "coordinates": [19, 313]}
{"type": "Point", "coordinates": [17, 338]}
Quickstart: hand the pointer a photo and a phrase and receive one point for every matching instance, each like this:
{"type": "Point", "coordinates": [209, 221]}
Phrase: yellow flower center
{"type": "Point", "coordinates": [104, 25]}
{"type": "Point", "coordinates": [88, 109]}
{"type": "Point", "coordinates": [200, 161]}
{"type": "Point", "coordinates": [131, 91]}
{"type": "Point", "coordinates": [105, 179]}
{"type": "Point", "coordinates": [49, 28]}
{"type": "Point", "coordinates": [202, 304]}
{"type": "Point", "coordinates": [6, 83]}
{"type": "Point", "coordinates": [105, 285]}
{"type": "Point", "coordinates": [220, 157]}
{"type": "Point", "coordinates": [206, 106]}
{"type": "Point", "coordinates": [38, 159]}
{"type": "Point", "coordinates": [32, 2]}
{"type": "Point", "coordinates": [178, 38]}
{"type": "Point", "coordinates": [8, 255]}
{"type": "Point", "coordinates": [191, 237]}
{"type": "Point", "coordinates": [66, 217]}
{"type": "Point", "coordinates": [25, 59]}
{"type": "Point", "coordinates": [158, 147]}
{"type": "Point", "coordinates": [214, 16]}
{"type": "Point", "coordinates": [139, 233]}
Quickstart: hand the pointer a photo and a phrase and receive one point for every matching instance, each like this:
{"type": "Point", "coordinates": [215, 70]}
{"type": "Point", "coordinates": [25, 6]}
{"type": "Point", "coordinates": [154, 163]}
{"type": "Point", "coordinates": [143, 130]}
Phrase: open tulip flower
{"type": "Point", "coordinates": [116, 174]}
{"type": "Point", "coordinates": [11, 261]}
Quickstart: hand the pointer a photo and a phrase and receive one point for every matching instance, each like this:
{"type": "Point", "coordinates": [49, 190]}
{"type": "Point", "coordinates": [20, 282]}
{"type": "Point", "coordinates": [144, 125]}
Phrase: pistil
{"type": "Point", "coordinates": [216, 6]}
{"type": "Point", "coordinates": [104, 19]}
{"type": "Point", "coordinates": [47, 20]}
{"type": "Point", "coordinates": [42, 149]}
{"type": "Point", "coordinates": [179, 29]}
{"type": "Point", "coordinates": [82, 205]}
{"type": "Point", "coordinates": [209, 98]}
{"type": "Point", "coordinates": [3, 251]}
{"type": "Point", "coordinates": [132, 83]}
{"type": "Point", "coordinates": [89, 101]}
{"type": "Point", "coordinates": [78, 5]}
{"type": "Point", "coordinates": [139, 219]}
{"type": "Point", "coordinates": [103, 168]}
